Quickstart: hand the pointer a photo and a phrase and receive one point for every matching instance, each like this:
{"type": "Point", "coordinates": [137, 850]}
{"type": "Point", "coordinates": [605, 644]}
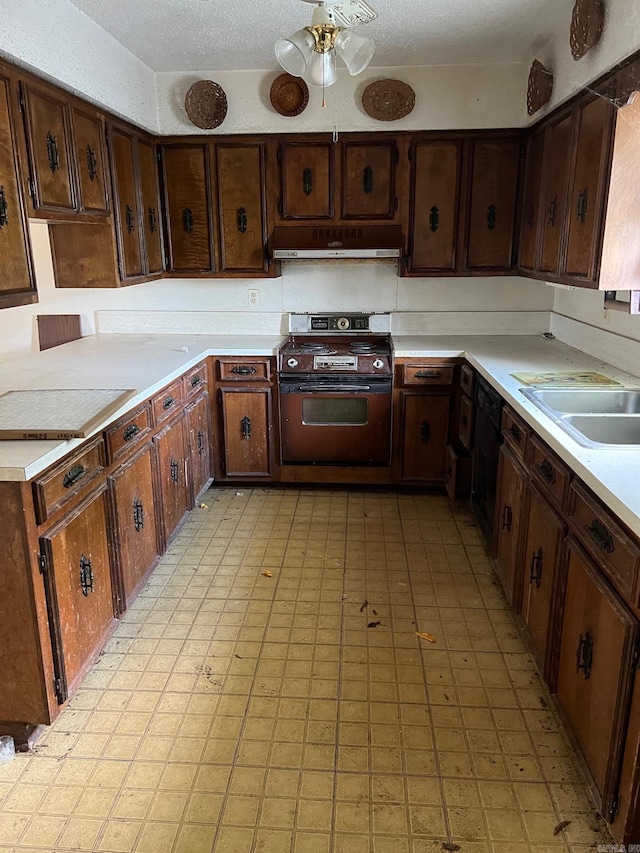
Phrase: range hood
{"type": "Point", "coordinates": [300, 242]}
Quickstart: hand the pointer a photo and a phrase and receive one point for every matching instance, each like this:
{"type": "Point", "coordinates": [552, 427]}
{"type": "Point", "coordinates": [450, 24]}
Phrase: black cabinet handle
{"type": "Point", "coordinates": [200, 438]}
{"type": "Point", "coordinates": [73, 475]}
{"type": "Point", "coordinates": [601, 536]}
{"type": "Point", "coordinates": [138, 515]}
{"type": "Point", "coordinates": [553, 211]}
{"type": "Point", "coordinates": [241, 220]}
{"type": "Point", "coordinates": [86, 575]}
{"type": "Point", "coordinates": [53, 155]}
{"type": "Point", "coordinates": [243, 370]}
{"type": "Point", "coordinates": [434, 218]}
{"type": "Point", "coordinates": [168, 402]}
{"type": "Point", "coordinates": [531, 217]}
{"type": "Point", "coordinates": [584, 654]}
{"type": "Point", "coordinates": [195, 381]}
{"type": "Point", "coordinates": [128, 216]}
{"type": "Point", "coordinates": [583, 205]}
{"type": "Point", "coordinates": [507, 518]}
{"type": "Point", "coordinates": [536, 568]}
{"type": "Point", "coordinates": [92, 164]}
{"type": "Point", "coordinates": [130, 431]}
{"type": "Point", "coordinates": [367, 180]}
{"type": "Point", "coordinates": [245, 425]}
{"type": "Point", "coordinates": [187, 219]}
{"type": "Point", "coordinates": [153, 220]}
{"type": "Point", "coordinates": [548, 471]}
{"type": "Point", "coordinates": [175, 471]}
{"type": "Point", "coordinates": [515, 433]}
{"type": "Point", "coordinates": [428, 374]}
{"type": "Point", "coordinates": [4, 211]}
{"type": "Point", "coordinates": [492, 212]}
{"type": "Point", "coordinates": [425, 432]}
{"type": "Point", "coordinates": [307, 181]}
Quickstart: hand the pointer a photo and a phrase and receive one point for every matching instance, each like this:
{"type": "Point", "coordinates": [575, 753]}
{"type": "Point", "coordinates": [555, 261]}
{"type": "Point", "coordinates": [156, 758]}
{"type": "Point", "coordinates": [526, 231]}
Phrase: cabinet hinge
{"type": "Point", "coordinates": [280, 208]}
{"type": "Point", "coordinates": [57, 686]}
{"type": "Point", "coordinates": [42, 562]}
{"type": "Point", "coordinates": [615, 808]}
{"type": "Point", "coordinates": [32, 188]}
{"type": "Point", "coordinates": [23, 106]}
{"type": "Point", "coordinates": [636, 654]}
{"type": "Point", "coordinates": [119, 267]}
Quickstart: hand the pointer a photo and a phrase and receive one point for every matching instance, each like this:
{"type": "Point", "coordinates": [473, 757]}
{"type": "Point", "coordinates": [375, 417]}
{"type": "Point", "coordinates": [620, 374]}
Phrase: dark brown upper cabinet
{"type": "Point", "coordinates": [530, 211]}
{"type": "Point", "coordinates": [368, 179]}
{"type": "Point", "coordinates": [150, 205]}
{"type": "Point", "coordinates": [494, 165]}
{"type": "Point", "coordinates": [241, 182]}
{"type": "Point", "coordinates": [433, 206]}
{"type": "Point", "coordinates": [307, 179]}
{"type": "Point", "coordinates": [93, 174]}
{"type": "Point", "coordinates": [188, 208]}
{"type": "Point", "coordinates": [17, 286]}
{"type": "Point", "coordinates": [555, 177]}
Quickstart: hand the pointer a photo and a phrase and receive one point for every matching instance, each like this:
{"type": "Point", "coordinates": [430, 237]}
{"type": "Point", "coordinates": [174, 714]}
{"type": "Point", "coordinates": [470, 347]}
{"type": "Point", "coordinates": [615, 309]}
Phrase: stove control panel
{"type": "Point", "coordinates": [335, 362]}
{"type": "Point", "coordinates": [339, 324]}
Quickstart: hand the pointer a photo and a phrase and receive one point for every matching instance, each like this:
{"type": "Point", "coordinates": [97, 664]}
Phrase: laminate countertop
{"type": "Point", "coordinates": [146, 363]}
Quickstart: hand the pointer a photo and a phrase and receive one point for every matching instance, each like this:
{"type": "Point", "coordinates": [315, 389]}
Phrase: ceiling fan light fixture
{"type": "Point", "coordinates": [295, 52]}
{"type": "Point", "coordinates": [321, 69]}
{"type": "Point", "coordinates": [355, 51]}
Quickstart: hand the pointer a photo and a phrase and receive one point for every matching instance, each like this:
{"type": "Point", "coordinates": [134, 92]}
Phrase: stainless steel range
{"type": "Point", "coordinates": [335, 381]}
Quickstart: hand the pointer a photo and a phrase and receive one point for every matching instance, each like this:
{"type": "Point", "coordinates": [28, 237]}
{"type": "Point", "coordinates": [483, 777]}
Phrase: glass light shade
{"type": "Point", "coordinates": [295, 52]}
{"type": "Point", "coordinates": [355, 51]}
{"type": "Point", "coordinates": [321, 69]}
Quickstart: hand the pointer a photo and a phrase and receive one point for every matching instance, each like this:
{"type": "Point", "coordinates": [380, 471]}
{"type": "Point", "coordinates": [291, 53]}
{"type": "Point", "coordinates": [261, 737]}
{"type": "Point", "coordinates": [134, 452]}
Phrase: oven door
{"type": "Point", "coordinates": [337, 420]}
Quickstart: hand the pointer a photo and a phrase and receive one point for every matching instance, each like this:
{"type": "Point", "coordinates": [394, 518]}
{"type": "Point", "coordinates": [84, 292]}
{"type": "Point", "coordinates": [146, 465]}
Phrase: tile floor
{"type": "Point", "coordinates": [300, 713]}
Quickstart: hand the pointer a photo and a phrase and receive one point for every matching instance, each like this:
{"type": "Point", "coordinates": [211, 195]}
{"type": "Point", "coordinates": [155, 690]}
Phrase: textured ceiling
{"type": "Point", "coordinates": [226, 35]}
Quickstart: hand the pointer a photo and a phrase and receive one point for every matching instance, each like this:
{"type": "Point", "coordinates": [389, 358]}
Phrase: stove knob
{"type": "Point", "coordinates": [343, 323]}
{"type": "Point", "coordinates": [378, 363]}
{"type": "Point", "coordinates": [292, 362]}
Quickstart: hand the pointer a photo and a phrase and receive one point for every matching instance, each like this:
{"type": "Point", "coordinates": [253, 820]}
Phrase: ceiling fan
{"type": "Point", "coordinates": [310, 53]}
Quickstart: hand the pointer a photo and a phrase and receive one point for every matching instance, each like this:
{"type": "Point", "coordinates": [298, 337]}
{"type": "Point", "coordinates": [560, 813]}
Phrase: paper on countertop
{"type": "Point", "coordinates": [571, 379]}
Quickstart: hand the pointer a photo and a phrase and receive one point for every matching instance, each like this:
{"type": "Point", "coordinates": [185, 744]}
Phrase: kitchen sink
{"type": "Point", "coordinates": [603, 417]}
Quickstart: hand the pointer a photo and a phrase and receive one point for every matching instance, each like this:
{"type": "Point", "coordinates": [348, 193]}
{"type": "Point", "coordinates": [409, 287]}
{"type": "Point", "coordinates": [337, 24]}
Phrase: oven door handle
{"type": "Point", "coordinates": [313, 389]}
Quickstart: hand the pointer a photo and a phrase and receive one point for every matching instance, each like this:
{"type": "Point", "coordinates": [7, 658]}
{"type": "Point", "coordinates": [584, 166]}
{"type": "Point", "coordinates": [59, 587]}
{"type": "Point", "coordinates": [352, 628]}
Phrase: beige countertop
{"type": "Point", "coordinates": [147, 363]}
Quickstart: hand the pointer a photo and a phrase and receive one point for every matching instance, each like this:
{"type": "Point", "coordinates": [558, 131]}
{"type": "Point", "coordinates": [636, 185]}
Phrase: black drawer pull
{"type": "Point", "coordinates": [245, 425]}
{"type": "Point", "coordinates": [4, 210]}
{"type": "Point", "coordinates": [200, 438]}
{"type": "Point", "coordinates": [86, 575]}
{"type": "Point", "coordinates": [547, 471]}
{"type": "Point", "coordinates": [130, 431]}
{"type": "Point", "coordinates": [367, 180]}
{"type": "Point", "coordinates": [73, 475]}
{"type": "Point", "coordinates": [307, 181]}
{"type": "Point", "coordinates": [428, 374]}
{"type": "Point", "coordinates": [583, 205]}
{"type": "Point", "coordinates": [425, 432]}
{"type": "Point", "coordinates": [153, 220]}
{"type": "Point", "coordinates": [536, 568]}
{"type": "Point", "coordinates": [584, 654]}
{"type": "Point", "coordinates": [507, 518]}
{"type": "Point", "coordinates": [128, 215]}
{"type": "Point", "coordinates": [195, 381]}
{"type": "Point", "coordinates": [168, 402]}
{"type": "Point", "coordinates": [138, 515]}
{"type": "Point", "coordinates": [553, 212]}
{"type": "Point", "coordinates": [515, 433]}
{"type": "Point", "coordinates": [53, 155]}
{"type": "Point", "coordinates": [92, 164]}
{"type": "Point", "coordinates": [241, 220]}
{"type": "Point", "coordinates": [187, 219]}
{"type": "Point", "coordinates": [243, 370]}
{"type": "Point", "coordinates": [492, 212]}
{"type": "Point", "coordinates": [601, 536]}
{"type": "Point", "coordinates": [175, 471]}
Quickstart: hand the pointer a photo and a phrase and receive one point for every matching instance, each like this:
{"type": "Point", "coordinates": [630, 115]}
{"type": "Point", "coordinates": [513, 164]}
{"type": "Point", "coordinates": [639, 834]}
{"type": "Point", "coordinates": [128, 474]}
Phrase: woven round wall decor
{"type": "Point", "coordinates": [206, 104]}
{"type": "Point", "coordinates": [289, 95]}
{"type": "Point", "coordinates": [388, 100]}
{"type": "Point", "coordinates": [587, 23]}
{"type": "Point", "coordinates": [539, 88]}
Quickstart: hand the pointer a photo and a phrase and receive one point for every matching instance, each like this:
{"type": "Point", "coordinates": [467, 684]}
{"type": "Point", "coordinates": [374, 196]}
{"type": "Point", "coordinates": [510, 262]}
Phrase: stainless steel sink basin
{"type": "Point", "coordinates": [620, 401]}
{"type": "Point", "coordinates": [606, 429]}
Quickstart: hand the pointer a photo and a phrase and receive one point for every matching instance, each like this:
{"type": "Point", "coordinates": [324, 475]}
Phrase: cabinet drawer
{"type": "Point", "coordinates": [516, 433]}
{"type": "Point", "coordinates": [167, 402]}
{"type": "Point", "coordinates": [457, 474]}
{"type": "Point", "coordinates": [195, 381]}
{"type": "Point", "coordinates": [466, 421]}
{"type": "Point", "coordinates": [605, 540]}
{"type": "Point", "coordinates": [244, 370]}
{"type": "Point", "coordinates": [549, 472]}
{"type": "Point", "coordinates": [57, 487]}
{"type": "Point", "coordinates": [427, 374]}
{"type": "Point", "coordinates": [127, 432]}
{"type": "Point", "coordinates": [467, 376]}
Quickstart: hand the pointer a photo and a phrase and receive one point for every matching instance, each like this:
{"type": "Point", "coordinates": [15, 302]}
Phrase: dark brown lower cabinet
{"type": "Point", "coordinates": [425, 434]}
{"type": "Point", "coordinates": [199, 440]}
{"type": "Point", "coordinates": [132, 500]}
{"type": "Point", "coordinates": [79, 592]}
{"type": "Point", "coordinates": [247, 429]}
{"type": "Point", "coordinates": [596, 666]}
{"type": "Point", "coordinates": [171, 470]}
{"type": "Point", "coordinates": [510, 504]}
{"type": "Point", "coordinates": [541, 554]}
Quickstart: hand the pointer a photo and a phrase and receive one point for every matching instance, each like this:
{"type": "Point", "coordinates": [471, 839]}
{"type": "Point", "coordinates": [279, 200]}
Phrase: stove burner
{"type": "Point", "coordinates": [316, 348]}
{"type": "Point", "coordinates": [362, 348]}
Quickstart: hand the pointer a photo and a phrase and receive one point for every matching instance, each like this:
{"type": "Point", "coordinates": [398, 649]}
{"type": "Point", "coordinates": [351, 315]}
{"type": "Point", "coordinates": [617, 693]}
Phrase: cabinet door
{"type": "Point", "coordinates": [150, 205]}
{"type": "Point", "coordinates": [541, 552]}
{"type": "Point", "coordinates": [50, 149]}
{"type": "Point", "coordinates": [77, 579]}
{"type": "Point", "coordinates": [15, 255]}
{"type": "Point", "coordinates": [531, 202]}
{"type": "Point", "coordinates": [125, 188]}
{"type": "Point", "coordinates": [509, 505]}
{"type": "Point", "coordinates": [595, 672]}
{"type": "Point", "coordinates": [425, 429]}
{"type": "Point", "coordinates": [131, 490]}
{"type": "Point", "coordinates": [188, 207]}
{"type": "Point", "coordinates": [593, 124]}
{"type": "Point", "coordinates": [199, 439]}
{"type": "Point", "coordinates": [557, 152]}
{"type": "Point", "coordinates": [88, 134]}
{"type": "Point", "coordinates": [171, 451]}
{"type": "Point", "coordinates": [241, 205]}
{"type": "Point", "coordinates": [307, 180]}
{"type": "Point", "coordinates": [494, 186]}
{"type": "Point", "coordinates": [246, 425]}
{"type": "Point", "coordinates": [435, 188]}
{"type": "Point", "coordinates": [368, 180]}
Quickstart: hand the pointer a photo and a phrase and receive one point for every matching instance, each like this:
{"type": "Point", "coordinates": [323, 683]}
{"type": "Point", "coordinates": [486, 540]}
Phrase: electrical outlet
{"type": "Point", "coordinates": [254, 297]}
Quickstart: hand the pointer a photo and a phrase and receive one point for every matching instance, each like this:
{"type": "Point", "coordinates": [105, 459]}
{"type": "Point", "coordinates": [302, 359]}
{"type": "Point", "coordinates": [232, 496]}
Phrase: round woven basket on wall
{"type": "Point", "coordinates": [587, 23]}
{"type": "Point", "coordinates": [289, 95]}
{"type": "Point", "coordinates": [388, 100]}
{"type": "Point", "coordinates": [206, 104]}
{"type": "Point", "coordinates": [540, 87]}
